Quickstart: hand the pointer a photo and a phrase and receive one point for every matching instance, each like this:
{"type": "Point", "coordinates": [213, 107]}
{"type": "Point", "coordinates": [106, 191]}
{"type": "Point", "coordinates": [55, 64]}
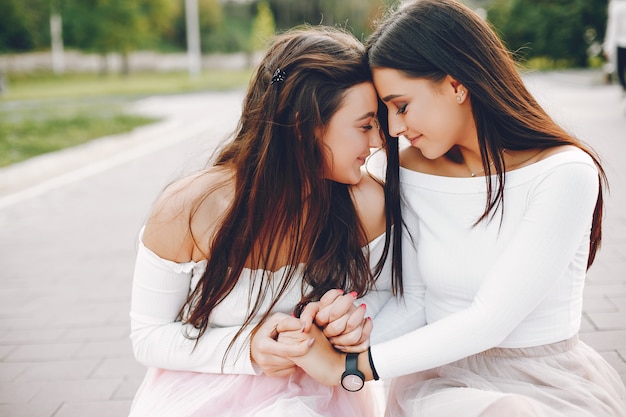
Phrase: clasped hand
{"type": "Point", "coordinates": [283, 343]}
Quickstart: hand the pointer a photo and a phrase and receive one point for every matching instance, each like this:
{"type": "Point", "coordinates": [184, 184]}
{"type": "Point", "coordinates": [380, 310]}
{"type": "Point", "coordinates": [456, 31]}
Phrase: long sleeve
{"type": "Point", "coordinates": [545, 250]}
{"type": "Point", "coordinates": [401, 315]}
{"type": "Point", "coordinates": [393, 316]}
{"type": "Point", "coordinates": [160, 289]}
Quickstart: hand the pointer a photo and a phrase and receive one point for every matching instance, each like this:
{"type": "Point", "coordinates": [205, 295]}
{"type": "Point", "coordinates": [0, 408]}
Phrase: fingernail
{"type": "Point", "coordinates": [363, 305]}
{"type": "Point", "coordinates": [340, 290]}
{"type": "Point", "coordinates": [310, 342]}
{"type": "Point", "coordinates": [353, 294]}
{"type": "Point", "coordinates": [293, 315]}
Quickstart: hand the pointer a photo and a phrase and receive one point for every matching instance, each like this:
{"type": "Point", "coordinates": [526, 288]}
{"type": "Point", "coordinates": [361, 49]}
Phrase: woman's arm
{"type": "Point", "coordinates": [162, 282]}
{"type": "Point", "coordinates": [556, 222]}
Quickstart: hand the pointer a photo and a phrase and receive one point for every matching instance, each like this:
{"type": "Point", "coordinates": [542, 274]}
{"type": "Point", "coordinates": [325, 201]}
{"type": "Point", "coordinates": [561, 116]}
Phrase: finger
{"type": "Point", "coordinates": [336, 327]}
{"type": "Point", "coordinates": [308, 314]}
{"type": "Point", "coordinates": [341, 306]}
{"type": "Point", "coordinates": [362, 344]}
{"type": "Point", "coordinates": [289, 323]}
{"type": "Point", "coordinates": [331, 296]}
{"type": "Point", "coordinates": [292, 349]}
{"type": "Point", "coordinates": [293, 337]}
{"type": "Point", "coordinates": [324, 305]}
{"type": "Point", "coordinates": [354, 348]}
{"type": "Point", "coordinates": [355, 320]}
{"type": "Point", "coordinates": [355, 338]}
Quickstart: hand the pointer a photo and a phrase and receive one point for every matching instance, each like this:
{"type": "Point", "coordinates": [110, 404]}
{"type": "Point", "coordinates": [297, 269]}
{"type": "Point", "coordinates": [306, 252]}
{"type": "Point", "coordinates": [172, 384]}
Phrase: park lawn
{"type": "Point", "coordinates": [45, 85]}
{"type": "Point", "coordinates": [24, 137]}
{"type": "Point", "coordinates": [43, 113]}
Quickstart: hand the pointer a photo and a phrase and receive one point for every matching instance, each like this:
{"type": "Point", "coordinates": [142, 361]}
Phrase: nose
{"type": "Point", "coordinates": [396, 125]}
{"type": "Point", "coordinates": [376, 138]}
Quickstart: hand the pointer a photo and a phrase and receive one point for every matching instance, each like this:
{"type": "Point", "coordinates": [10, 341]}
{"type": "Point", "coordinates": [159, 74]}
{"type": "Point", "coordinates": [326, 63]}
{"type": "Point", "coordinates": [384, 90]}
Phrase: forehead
{"type": "Point", "coordinates": [391, 83]}
{"type": "Point", "coordinates": [360, 98]}
{"type": "Point", "coordinates": [388, 76]}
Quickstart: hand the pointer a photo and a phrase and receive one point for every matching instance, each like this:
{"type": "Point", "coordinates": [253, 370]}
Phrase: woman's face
{"type": "Point", "coordinates": [426, 113]}
{"type": "Point", "coordinates": [350, 134]}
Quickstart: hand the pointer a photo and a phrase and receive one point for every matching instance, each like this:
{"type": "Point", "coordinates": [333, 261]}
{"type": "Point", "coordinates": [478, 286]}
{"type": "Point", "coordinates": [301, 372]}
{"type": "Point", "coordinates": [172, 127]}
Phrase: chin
{"type": "Point", "coordinates": [350, 180]}
{"type": "Point", "coordinates": [430, 154]}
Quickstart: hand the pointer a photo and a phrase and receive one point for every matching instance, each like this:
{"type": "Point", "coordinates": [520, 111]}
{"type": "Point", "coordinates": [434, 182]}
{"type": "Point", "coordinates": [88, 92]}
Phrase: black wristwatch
{"type": "Point", "coordinates": [352, 379]}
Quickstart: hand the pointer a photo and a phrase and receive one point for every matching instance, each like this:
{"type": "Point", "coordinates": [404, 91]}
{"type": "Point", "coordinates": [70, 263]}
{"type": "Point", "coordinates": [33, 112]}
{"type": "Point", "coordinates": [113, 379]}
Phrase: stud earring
{"type": "Point", "coordinates": [459, 98]}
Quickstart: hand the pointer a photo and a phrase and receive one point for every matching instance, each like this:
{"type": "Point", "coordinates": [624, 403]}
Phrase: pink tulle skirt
{"type": "Point", "coordinates": [564, 379]}
{"type": "Point", "coordinates": [165, 393]}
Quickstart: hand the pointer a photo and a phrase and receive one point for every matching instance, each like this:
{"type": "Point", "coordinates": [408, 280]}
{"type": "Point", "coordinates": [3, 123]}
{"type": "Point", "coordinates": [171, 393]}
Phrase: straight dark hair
{"type": "Point", "coordinates": [433, 38]}
{"type": "Point", "coordinates": [281, 195]}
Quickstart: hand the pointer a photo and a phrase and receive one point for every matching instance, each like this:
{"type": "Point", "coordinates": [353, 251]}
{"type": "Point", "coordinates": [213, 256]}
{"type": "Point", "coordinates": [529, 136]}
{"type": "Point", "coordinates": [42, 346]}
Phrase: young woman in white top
{"type": "Point", "coordinates": [285, 213]}
{"type": "Point", "coordinates": [503, 209]}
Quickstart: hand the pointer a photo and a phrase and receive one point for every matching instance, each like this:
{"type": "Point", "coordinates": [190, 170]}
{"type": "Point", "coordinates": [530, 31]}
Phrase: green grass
{"type": "Point", "coordinates": [42, 113]}
{"type": "Point", "coordinates": [43, 128]}
{"type": "Point", "coordinates": [43, 86]}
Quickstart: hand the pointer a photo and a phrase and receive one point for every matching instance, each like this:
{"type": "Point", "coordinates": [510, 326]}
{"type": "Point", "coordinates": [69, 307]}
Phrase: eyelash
{"type": "Point", "coordinates": [402, 109]}
{"type": "Point", "coordinates": [367, 127]}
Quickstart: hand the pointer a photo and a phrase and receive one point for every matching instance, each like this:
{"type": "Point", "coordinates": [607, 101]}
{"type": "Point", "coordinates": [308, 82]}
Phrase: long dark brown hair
{"type": "Point", "coordinates": [433, 38]}
{"type": "Point", "coordinates": [281, 196]}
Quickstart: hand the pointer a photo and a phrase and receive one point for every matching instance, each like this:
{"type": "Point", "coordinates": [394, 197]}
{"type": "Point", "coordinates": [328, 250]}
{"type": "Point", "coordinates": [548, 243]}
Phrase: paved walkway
{"type": "Point", "coordinates": [68, 224]}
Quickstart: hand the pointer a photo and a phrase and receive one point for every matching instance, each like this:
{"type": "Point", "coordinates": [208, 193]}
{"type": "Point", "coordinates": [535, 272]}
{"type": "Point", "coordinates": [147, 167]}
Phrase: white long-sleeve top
{"type": "Point", "coordinates": [615, 27]}
{"type": "Point", "coordinates": [161, 287]}
{"type": "Point", "coordinates": [515, 283]}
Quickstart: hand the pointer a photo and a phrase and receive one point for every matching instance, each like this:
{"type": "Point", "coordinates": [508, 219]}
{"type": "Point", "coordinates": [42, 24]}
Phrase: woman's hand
{"type": "Point", "coordinates": [342, 322]}
{"type": "Point", "coordinates": [272, 355]}
{"type": "Point", "coordinates": [322, 362]}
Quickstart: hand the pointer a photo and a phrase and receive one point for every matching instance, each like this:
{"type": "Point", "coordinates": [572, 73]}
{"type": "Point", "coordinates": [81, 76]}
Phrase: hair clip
{"type": "Point", "coordinates": [279, 75]}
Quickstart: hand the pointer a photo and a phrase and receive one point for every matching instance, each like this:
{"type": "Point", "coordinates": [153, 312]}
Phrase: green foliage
{"type": "Point", "coordinates": [116, 25]}
{"type": "Point", "coordinates": [557, 30]}
{"type": "Point", "coordinates": [263, 26]}
{"type": "Point", "coordinates": [24, 25]}
{"type": "Point", "coordinates": [356, 16]}
{"type": "Point", "coordinates": [233, 34]}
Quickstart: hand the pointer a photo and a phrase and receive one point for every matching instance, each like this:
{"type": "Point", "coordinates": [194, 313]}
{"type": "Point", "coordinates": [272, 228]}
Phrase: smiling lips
{"type": "Point", "coordinates": [363, 157]}
{"type": "Point", "coordinates": [414, 140]}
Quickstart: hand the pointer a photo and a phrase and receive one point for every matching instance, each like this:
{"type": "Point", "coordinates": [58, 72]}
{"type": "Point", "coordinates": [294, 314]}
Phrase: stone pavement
{"type": "Point", "coordinates": [68, 226]}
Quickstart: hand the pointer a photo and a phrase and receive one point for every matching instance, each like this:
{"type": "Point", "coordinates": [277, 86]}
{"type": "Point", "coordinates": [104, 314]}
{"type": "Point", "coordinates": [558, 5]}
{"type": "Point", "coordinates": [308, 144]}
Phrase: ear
{"type": "Point", "coordinates": [453, 83]}
{"type": "Point", "coordinates": [456, 88]}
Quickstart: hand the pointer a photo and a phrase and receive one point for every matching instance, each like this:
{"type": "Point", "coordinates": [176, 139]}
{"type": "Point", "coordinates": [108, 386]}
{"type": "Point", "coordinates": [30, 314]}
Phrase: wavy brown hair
{"type": "Point", "coordinates": [433, 38]}
{"type": "Point", "coordinates": [281, 195]}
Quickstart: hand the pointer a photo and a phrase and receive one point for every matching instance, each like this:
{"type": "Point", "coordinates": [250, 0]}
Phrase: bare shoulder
{"type": "Point", "coordinates": [369, 200]}
{"type": "Point", "coordinates": [186, 212]}
{"type": "Point", "coordinates": [412, 158]}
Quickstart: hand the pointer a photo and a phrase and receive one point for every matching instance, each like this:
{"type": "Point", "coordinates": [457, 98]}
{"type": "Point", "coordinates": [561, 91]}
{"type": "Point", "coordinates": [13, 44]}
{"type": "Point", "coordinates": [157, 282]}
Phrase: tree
{"type": "Point", "coordinates": [557, 29]}
{"type": "Point", "coordinates": [24, 25]}
{"type": "Point", "coordinates": [263, 27]}
{"type": "Point", "coordinates": [121, 26]}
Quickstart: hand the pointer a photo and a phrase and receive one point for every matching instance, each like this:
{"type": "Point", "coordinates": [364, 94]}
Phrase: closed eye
{"type": "Point", "coordinates": [402, 109]}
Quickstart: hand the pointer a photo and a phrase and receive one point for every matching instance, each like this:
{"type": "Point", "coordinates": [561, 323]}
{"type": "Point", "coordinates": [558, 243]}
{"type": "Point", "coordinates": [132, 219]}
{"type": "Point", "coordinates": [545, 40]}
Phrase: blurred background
{"type": "Point", "coordinates": [69, 68]}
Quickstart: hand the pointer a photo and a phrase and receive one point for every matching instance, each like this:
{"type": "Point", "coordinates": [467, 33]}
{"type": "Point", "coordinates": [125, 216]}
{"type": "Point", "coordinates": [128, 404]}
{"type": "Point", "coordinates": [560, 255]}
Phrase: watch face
{"type": "Point", "coordinates": [352, 383]}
